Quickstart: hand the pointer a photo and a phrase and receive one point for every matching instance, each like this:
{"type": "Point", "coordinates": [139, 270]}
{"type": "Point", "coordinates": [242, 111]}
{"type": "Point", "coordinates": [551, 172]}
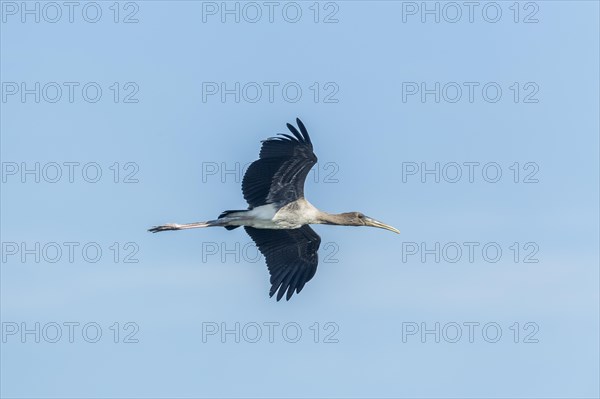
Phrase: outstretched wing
{"type": "Point", "coordinates": [278, 176]}
{"type": "Point", "coordinates": [291, 257]}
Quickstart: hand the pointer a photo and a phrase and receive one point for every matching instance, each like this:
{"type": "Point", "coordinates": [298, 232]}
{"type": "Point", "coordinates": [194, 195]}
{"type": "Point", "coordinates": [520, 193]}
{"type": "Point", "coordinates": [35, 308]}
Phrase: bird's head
{"type": "Point", "coordinates": [360, 219]}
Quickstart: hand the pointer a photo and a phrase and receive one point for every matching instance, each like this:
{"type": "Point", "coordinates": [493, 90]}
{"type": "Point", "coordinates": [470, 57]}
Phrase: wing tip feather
{"type": "Point", "coordinates": [300, 136]}
{"type": "Point", "coordinates": [295, 132]}
{"type": "Point", "coordinates": [303, 130]}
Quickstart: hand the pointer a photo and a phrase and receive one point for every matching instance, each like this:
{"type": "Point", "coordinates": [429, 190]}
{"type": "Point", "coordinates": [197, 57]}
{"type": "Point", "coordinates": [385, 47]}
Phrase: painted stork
{"type": "Point", "coordinates": [278, 218]}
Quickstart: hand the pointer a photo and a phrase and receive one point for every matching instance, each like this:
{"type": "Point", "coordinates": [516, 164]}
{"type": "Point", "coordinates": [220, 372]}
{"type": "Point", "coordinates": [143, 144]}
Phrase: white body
{"type": "Point", "coordinates": [292, 216]}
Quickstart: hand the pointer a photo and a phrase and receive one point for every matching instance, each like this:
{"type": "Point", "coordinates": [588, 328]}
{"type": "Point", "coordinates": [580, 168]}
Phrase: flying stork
{"type": "Point", "coordinates": [278, 217]}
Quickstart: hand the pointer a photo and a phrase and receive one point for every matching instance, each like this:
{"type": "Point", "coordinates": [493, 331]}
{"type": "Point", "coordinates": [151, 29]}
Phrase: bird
{"type": "Point", "coordinates": [278, 217]}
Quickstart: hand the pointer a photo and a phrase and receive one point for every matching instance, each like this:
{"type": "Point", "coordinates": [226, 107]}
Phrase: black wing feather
{"type": "Point", "coordinates": [295, 132]}
{"type": "Point", "coordinates": [291, 257]}
{"type": "Point", "coordinates": [278, 176]}
{"type": "Point", "coordinates": [303, 130]}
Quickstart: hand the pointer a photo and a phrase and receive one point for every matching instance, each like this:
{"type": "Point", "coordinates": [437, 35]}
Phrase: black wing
{"type": "Point", "coordinates": [278, 176]}
{"type": "Point", "coordinates": [291, 257]}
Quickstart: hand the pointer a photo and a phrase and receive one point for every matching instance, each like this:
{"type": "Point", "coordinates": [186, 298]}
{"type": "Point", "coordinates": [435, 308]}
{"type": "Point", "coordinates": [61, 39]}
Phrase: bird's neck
{"type": "Point", "coordinates": [331, 218]}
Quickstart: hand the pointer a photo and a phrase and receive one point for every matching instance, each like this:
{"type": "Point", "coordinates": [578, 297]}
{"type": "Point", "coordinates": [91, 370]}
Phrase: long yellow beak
{"type": "Point", "coordinates": [381, 225]}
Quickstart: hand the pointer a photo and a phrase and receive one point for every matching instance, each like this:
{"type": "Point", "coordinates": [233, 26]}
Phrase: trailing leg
{"type": "Point", "coordinates": [228, 219]}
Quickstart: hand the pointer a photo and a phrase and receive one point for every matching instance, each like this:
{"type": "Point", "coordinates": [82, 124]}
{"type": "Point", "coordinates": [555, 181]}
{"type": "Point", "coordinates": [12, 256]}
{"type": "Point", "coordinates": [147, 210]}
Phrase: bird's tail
{"type": "Point", "coordinates": [229, 214]}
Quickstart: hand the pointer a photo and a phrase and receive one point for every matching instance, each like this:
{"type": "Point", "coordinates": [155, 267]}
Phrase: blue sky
{"type": "Point", "coordinates": [167, 143]}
